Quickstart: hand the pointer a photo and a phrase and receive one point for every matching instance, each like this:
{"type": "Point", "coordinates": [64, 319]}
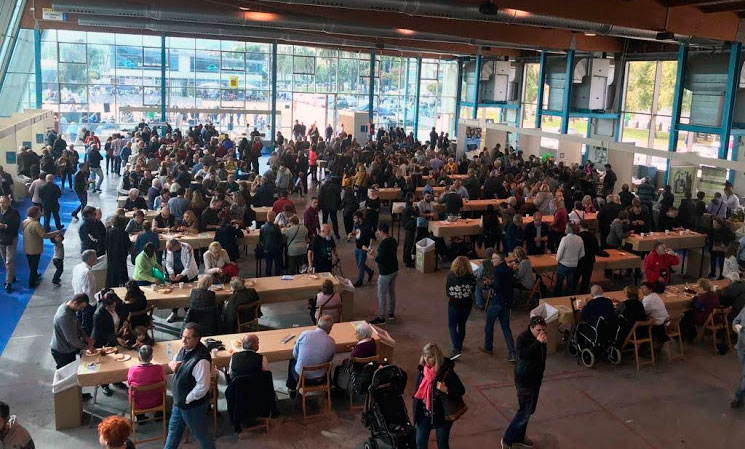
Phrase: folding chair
{"type": "Point", "coordinates": [133, 411]}
{"type": "Point", "coordinates": [718, 321]}
{"type": "Point", "coordinates": [245, 319]}
{"type": "Point", "coordinates": [358, 361]}
{"type": "Point", "coordinates": [324, 388]}
{"type": "Point", "coordinates": [672, 328]}
{"type": "Point", "coordinates": [634, 342]}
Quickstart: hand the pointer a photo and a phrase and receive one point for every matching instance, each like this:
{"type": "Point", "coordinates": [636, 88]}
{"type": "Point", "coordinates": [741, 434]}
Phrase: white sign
{"type": "Point", "coordinates": [52, 15]}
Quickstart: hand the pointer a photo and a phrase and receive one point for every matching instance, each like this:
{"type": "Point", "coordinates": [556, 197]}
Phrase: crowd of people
{"type": "Point", "coordinates": [201, 180]}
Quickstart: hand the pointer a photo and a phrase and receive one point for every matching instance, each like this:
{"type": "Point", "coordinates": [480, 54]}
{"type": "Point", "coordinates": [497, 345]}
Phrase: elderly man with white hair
{"type": "Point", "coordinates": [599, 307]}
{"type": "Point", "coordinates": [180, 265]}
{"type": "Point", "coordinates": [153, 192]}
{"type": "Point", "coordinates": [84, 281]}
{"type": "Point", "coordinates": [134, 201]}
{"type": "Point", "coordinates": [313, 347]}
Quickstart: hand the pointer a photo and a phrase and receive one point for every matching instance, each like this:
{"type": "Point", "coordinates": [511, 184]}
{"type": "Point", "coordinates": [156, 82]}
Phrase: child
{"type": "Point", "coordinates": [58, 258]}
{"type": "Point", "coordinates": [134, 339]}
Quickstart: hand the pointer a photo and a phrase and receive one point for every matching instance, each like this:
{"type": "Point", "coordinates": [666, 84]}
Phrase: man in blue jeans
{"type": "Point", "coordinates": [571, 250]}
{"type": "Point", "coordinates": [387, 261]}
{"type": "Point", "coordinates": [191, 387]}
{"type": "Point", "coordinates": [531, 362]}
{"type": "Point", "coordinates": [499, 307]}
{"type": "Point", "coordinates": [361, 235]}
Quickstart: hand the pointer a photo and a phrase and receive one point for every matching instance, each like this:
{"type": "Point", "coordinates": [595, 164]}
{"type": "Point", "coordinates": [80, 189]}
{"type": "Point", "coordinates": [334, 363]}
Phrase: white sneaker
{"type": "Point", "coordinates": [172, 317]}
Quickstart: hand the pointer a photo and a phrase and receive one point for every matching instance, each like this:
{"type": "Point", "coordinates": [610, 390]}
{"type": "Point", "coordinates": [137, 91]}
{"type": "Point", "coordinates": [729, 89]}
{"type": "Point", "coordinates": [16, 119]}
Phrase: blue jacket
{"type": "Point", "coordinates": [504, 279]}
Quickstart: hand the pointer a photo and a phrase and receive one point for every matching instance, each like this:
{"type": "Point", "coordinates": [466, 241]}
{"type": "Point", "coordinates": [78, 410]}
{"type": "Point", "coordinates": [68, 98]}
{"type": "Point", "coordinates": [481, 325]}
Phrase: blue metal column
{"type": "Point", "coordinates": [568, 78]}
{"type": "Point", "coordinates": [733, 157]}
{"type": "Point", "coordinates": [371, 93]}
{"type": "Point", "coordinates": [406, 94]}
{"type": "Point", "coordinates": [733, 80]}
{"type": "Point", "coordinates": [586, 153]}
{"type": "Point", "coordinates": [458, 93]}
{"type": "Point", "coordinates": [37, 65]}
{"type": "Point", "coordinates": [274, 93]}
{"type": "Point", "coordinates": [163, 60]}
{"type": "Point", "coordinates": [677, 103]}
{"type": "Point", "coordinates": [418, 91]}
{"type": "Point", "coordinates": [476, 88]}
{"type": "Point", "coordinates": [539, 96]}
{"type": "Point", "coordinates": [621, 81]}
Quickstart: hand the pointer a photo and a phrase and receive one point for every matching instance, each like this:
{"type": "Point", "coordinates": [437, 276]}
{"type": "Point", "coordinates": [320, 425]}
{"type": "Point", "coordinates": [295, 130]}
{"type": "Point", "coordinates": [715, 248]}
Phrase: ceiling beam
{"type": "Point", "coordinates": [675, 3]}
{"type": "Point", "coordinates": [644, 14]}
{"type": "Point", "coordinates": [539, 38]}
{"type": "Point", "coordinates": [731, 6]}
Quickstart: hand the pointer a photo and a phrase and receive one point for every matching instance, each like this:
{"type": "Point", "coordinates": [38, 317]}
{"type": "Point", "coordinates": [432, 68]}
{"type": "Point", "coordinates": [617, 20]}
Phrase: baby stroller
{"type": "Point", "coordinates": [385, 412]}
{"type": "Point", "coordinates": [587, 341]}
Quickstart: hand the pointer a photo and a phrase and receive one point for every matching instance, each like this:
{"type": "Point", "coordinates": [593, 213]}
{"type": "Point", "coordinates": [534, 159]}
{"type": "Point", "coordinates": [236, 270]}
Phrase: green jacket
{"type": "Point", "coordinates": [144, 268]}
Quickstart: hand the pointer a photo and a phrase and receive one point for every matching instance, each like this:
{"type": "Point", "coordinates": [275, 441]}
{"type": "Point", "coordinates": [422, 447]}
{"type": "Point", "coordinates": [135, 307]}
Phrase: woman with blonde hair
{"type": "Point", "coordinates": [438, 400]}
{"type": "Point", "coordinates": [198, 203]}
{"type": "Point", "coordinates": [587, 205]}
{"type": "Point", "coordinates": [215, 258]}
{"type": "Point", "coordinates": [523, 270]}
{"type": "Point", "coordinates": [189, 223]}
{"type": "Point", "coordinates": [459, 288]}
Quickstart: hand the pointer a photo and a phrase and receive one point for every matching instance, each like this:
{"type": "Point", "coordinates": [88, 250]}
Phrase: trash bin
{"type": "Point", "coordinates": [68, 408]}
{"type": "Point", "coordinates": [425, 255]}
{"type": "Point", "coordinates": [551, 315]}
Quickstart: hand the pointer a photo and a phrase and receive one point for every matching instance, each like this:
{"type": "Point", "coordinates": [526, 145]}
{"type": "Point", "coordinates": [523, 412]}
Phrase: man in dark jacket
{"type": "Point", "coordinates": [531, 362]}
{"type": "Point", "coordinates": [645, 191]}
{"type": "Point", "coordinates": [587, 262]}
{"type": "Point", "coordinates": [607, 214]}
{"type": "Point", "coordinates": [499, 308]}
{"type": "Point", "coordinates": [452, 201]}
{"type": "Point", "coordinates": [10, 221]}
{"type": "Point", "coordinates": [609, 181]}
{"type": "Point", "coordinates": [536, 235]}
{"type": "Point", "coordinates": [50, 194]}
{"type": "Point", "coordinates": [191, 387]}
{"type": "Point", "coordinates": [81, 188]}
{"type": "Point", "coordinates": [329, 200]}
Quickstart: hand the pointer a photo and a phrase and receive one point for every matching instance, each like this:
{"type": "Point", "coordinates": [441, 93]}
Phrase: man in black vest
{"type": "Point", "coordinates": [191, 385]}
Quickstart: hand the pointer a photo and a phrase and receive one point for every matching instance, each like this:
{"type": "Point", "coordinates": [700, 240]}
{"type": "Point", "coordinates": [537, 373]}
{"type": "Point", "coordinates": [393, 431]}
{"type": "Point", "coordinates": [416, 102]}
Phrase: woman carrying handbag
{"type": "Point", "coordinates": [438, 400]}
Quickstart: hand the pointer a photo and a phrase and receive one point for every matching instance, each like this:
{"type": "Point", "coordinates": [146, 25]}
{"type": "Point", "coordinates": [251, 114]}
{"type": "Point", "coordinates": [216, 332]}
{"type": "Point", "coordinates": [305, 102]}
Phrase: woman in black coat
{"type": "Point", "coordinates": [228, 234]}
{"type": "Point", "coordinates": [107, 322]}
{"type": "Point", "coordinates": [438, 400]}
{"type": "Point", "coordinates": [117, 245]}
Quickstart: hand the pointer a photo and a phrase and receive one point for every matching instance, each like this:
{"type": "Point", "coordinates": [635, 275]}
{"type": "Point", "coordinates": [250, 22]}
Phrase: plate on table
{"type": "Point", "coordinates": [92, 352]}
{"type": "Point", "coordinates": [166, 290]}
{"type": "Point", "coordinates": [122, 357]}
{"type": "Point", "coordinates": [237, 344]}
{"type": "Point", "coordinates": [110, 349]}
{"type": "Point", "coordinates": [672, 289]}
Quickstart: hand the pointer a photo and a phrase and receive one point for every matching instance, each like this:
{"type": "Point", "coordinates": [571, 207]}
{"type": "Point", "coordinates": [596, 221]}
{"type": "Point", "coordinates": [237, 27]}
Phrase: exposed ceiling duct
{"type": "Point", "coordinates": [446, 9]}
{"type": "Point", "coordinates": [233, 31]}
{"type": "Point", "coordinates": [158, 12]}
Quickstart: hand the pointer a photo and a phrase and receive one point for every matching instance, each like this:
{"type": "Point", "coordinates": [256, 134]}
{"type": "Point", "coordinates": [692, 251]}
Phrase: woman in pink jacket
{"type": "Point", "coordinates": [146, 374]}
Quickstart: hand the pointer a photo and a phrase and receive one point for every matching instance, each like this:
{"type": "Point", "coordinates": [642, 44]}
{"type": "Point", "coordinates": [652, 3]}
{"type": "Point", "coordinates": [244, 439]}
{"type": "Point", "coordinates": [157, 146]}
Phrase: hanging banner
{"type": "Point", "coordinates": [681, 180]}
{"type": "Point", "coordinates": [473, 139]}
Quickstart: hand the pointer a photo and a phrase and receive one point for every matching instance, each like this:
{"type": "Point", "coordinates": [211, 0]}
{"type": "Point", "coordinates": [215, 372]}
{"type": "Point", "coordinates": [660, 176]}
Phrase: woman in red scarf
{"type": "Point", "coordinates": [438, 400]}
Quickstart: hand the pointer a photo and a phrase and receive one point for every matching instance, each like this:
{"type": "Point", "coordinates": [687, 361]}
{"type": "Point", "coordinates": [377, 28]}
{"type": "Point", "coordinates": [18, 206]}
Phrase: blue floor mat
{"type": "Point", "coordinates": [14, 304]}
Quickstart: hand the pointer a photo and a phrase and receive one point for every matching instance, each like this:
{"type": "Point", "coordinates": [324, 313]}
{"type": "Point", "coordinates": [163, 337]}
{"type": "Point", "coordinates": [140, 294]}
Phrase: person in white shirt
{"type": "Point", "coordinates": [190, 385]}
{"type": "Point", "coordinates": [730, 200]}
{"type": "Point", "coordinates": [180, 266]}
{"type": "Point", "coordinates": [84, 281]}
{"type": "Point", "coordinates": [571, 250]}
{"type": "Point", "coordinates": [215, 258]}
{"type": "Point", "coordinates": [655, 309]}
{"type": "Point", "coordinates": [578, 214]}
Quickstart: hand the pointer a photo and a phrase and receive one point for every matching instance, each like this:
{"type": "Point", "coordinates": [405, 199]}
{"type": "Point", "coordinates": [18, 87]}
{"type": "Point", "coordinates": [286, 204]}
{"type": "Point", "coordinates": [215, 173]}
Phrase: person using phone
{"type": "Point", "coordinates": [531, 362]}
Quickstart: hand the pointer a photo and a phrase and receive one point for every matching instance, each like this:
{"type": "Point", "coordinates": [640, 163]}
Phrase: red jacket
{"type": "Point", "coordinates": [561, 218]}
{"type": "Point", "coordinates": [655, 265]}
{"type": "Point", "coordinates": [279, 205]}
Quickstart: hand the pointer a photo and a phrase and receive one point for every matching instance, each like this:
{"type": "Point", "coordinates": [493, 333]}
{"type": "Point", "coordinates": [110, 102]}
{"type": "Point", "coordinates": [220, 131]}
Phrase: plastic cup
{"type": "Point", "coordinates": [180, 285]}
{"type": "Point", "coordinates": [667, 232]}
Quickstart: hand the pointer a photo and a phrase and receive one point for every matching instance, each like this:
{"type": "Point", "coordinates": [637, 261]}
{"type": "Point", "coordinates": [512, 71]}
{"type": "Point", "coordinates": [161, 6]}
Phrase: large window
{"type": "Point", "coordinates": [109, 82]}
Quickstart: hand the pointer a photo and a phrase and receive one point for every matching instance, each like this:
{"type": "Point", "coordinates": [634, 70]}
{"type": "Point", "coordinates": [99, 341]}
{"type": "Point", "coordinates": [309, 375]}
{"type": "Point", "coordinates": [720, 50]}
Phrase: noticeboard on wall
{"type": "Point", "coordinates": [39, 138]}
{"type": "Point", "coordinates": [10, 157]}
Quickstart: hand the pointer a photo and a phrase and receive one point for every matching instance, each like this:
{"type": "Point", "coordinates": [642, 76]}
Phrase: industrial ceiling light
{"type": "Point", "coordinates": [244, 8]}
{"type": "Point", "coordinates": [589, 34]}
{"type": "Point", "coordinates": [405, 31]}
{"type": "Point", "coordinates": [488, 9]}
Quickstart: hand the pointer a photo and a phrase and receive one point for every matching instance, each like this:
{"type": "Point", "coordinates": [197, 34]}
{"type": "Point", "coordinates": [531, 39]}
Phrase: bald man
{"type": "Point", "coordinates": [50, 194]}
{"type": "Point", "coordinates": [248, 361]}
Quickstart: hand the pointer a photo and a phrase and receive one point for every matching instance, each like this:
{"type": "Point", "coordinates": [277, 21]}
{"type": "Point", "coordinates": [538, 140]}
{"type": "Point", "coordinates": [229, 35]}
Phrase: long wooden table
{"type": "Point", "coordinates": [675, 298]}
{"type": "Point", "coordinates": [202, 239]}
{"type": "Point", "coordinates": [616, 260]}
{"type": "Point", "coordinates": [104, 369]}
{"type": "Point", "coordinates": [270, 289]}
{"type": "Point", "coordinates": [591, 219]}
{"type": "Point", "coordinates": [673, 239]}
{"type": "Point", "coordinates": [389, 193]}
{"type": "Point", "coordinates": [464, 226]}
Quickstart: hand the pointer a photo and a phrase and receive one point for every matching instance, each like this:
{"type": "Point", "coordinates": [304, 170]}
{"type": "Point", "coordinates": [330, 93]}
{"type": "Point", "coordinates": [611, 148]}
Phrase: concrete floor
{"type": "Point", "coordinates": [676, 405]}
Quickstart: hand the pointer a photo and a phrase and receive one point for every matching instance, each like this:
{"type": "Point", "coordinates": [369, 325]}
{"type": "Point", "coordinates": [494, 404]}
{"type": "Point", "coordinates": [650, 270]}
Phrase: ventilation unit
{"type": "Point", "coordinates": [706, 78]}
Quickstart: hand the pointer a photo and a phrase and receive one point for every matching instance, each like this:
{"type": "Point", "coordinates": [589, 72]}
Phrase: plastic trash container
{"type": "Point", "coordinates": [551, 315]}
{"type": "Point", "coordinates": [68, 408]}
{"type": "Point", "coordinates": [425, 255]}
